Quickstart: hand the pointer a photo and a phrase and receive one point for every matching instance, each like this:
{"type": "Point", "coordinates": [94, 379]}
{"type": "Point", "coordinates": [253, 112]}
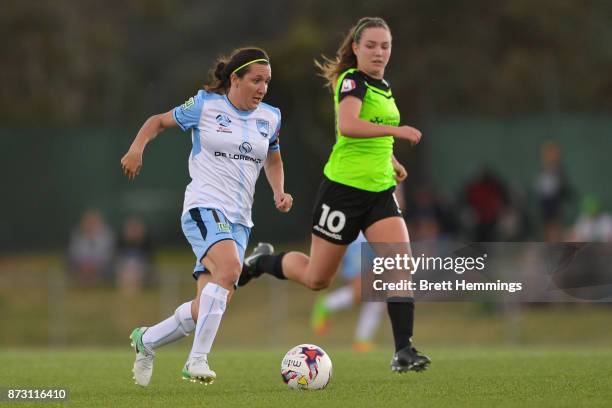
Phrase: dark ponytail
{"type": "Point", "coordinates": [224, 67]}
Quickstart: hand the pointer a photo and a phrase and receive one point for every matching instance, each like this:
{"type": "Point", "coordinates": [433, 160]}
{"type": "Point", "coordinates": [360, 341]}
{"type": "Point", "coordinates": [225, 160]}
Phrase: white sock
{"type": "Point", "coordinates": [177, 326]}
{"type": "Point", "coordinates": [212, 305]}
{"type": "Point", "coordinates": [340, 298]}
{"type": "Point", "coordinates": [369, 318]}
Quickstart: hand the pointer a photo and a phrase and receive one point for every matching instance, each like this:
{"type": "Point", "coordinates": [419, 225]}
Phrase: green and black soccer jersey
{"type": "Point", "coordinates": [357, 190]}
{"type": "Point", "coordinates": [365, 162]}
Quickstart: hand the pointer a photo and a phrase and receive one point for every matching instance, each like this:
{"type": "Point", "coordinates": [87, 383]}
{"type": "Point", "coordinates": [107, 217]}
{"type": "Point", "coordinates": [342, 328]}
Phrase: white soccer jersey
{"type": "Point", "coordinates": [229, 149]}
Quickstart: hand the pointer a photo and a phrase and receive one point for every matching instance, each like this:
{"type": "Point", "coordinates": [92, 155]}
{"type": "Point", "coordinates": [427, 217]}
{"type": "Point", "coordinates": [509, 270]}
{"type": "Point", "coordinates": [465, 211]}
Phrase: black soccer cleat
{"type": "Point", "coordinates": [249, 270]}
{"type": "Point", "coordinates": [409, 359]}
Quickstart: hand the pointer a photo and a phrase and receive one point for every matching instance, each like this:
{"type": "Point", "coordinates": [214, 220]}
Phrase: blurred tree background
{"type": "Point", "coordinates": [87, 63]}
{"type": "Point", "coordinates": [78, 78]}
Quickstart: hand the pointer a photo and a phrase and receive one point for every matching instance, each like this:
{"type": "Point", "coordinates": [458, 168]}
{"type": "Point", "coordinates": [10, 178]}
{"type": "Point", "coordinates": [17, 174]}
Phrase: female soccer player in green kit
{"type": "Point", "coordinates": [360, 177]}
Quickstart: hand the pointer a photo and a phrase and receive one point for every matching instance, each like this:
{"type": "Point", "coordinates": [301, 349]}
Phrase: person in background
{"type": "Point", "coordinates": [553, 192]}
{"type": "Point", "coordinates": [91, 250]}
{"type": "Point", "coordinates": [134, 264]}
{"type": "Point", "coordinates": [485, 196]}
{"type": "Point", "coordinates": [593, 225]}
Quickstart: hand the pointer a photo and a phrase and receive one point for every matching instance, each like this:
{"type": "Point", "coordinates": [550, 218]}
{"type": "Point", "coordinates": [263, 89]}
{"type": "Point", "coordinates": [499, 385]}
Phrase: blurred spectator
{"type": "Point", "coordinates": [553, 191]}
{"type": "Point", "coordinates": [513, 224]}
{"type": "Point", "coordinates": [133, 256]}
{"type": "Point", "coordinates": [486, 198]}
{"type": "Point", "coordinates": [428, 218]}
{"type": "Point", "coordinates": [425, 228]}
{"type": "Point", "coordinates": [584, 270]}
{"type": "Point", "coordinates": [90, 250]}
{"type": "Point", "coordinates": [592, 225]}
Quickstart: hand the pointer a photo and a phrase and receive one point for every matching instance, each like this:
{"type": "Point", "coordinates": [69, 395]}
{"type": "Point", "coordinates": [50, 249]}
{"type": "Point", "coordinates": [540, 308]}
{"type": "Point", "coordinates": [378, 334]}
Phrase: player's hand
{"type": "Point", "coordinates": [400, 171]}
{"type": "Point", "coordinates": [283, 202]}
{"type": "Point", "coordinates": [131, 164]}
{"type": "Point", "coordinates": [409, 133]}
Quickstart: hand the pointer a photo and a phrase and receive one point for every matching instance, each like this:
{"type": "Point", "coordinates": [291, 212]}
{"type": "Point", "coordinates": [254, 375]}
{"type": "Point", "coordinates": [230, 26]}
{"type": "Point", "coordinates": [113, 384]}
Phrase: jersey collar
{"type": "Point", "coordinates": [382, 83]}
{"type": "Point", "coordinates": [238, 111]}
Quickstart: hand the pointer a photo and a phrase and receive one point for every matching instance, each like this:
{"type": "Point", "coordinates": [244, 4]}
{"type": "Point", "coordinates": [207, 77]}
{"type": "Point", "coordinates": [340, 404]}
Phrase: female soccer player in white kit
{"type": "Point", "coordinates": [234, 135]}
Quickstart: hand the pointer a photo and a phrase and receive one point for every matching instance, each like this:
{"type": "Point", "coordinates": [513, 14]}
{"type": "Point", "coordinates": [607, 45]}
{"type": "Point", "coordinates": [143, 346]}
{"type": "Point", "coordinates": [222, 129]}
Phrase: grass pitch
{"type": "Point", "coordinates": [483, 377]}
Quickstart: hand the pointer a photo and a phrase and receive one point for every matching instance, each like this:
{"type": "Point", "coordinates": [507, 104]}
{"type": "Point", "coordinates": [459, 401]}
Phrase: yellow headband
{"type": "Point", "coordinates": [249, 63]}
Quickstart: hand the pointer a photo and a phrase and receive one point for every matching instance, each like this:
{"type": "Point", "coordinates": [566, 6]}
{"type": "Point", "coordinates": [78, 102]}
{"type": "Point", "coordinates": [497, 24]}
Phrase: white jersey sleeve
{"type": "Point", "coordinates": [187, 115]}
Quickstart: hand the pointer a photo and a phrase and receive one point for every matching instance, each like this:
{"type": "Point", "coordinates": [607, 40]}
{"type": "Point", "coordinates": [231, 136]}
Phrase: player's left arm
{"type": "Point", "coordinates": [399, 169]}
{"type": "Point", "coordinates": [276, 178]}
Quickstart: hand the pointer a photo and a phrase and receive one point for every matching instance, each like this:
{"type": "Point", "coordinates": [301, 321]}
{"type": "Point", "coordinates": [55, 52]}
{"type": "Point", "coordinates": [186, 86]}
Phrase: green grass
{"type": "Point", "coordinates": [470, 377]}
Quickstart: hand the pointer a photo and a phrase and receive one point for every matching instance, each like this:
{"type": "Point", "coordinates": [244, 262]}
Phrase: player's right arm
{"type": "Point", "coordinates": [351, 125]}
{"type": "Point", "coordinates": [131, 163]}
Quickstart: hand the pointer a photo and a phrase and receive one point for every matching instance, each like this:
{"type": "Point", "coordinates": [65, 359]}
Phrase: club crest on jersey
{"type": "Point", "coordinates": [263, 126]}
{"type": "Point", "coordinates": [223, 120]}
{"type": "Point", "coordinates": [348, 85]}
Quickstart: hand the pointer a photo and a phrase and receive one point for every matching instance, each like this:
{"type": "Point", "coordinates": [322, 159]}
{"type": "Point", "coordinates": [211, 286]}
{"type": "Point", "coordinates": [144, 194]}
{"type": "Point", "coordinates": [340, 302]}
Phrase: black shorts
{"type": "Point", "coordinates": [340, 211]}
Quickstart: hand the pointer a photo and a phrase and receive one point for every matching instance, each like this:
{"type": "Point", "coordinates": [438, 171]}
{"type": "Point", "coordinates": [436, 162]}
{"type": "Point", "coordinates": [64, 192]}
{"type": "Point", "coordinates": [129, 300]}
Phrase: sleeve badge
{"type": "Point", "coordinates": [348, 85]}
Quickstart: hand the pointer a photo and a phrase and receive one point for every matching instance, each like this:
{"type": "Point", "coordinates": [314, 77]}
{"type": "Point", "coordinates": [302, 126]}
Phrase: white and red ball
{"type": "Point", "coordinates": [306, 367]}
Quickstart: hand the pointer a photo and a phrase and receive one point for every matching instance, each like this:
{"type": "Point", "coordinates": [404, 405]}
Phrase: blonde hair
{"type": "Point", "coordinates": [345, 58]}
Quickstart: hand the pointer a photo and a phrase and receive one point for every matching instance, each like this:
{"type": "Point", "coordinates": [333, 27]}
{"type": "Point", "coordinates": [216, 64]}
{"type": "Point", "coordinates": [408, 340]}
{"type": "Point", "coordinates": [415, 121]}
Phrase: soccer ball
{"type": "Point", "coordinates": [306, 367]}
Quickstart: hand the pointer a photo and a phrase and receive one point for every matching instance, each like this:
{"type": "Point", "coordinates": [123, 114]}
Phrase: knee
{"type": "Point", "coordinates": [319, 284]}
{"type": "Point", "coordinates": [228, 273]}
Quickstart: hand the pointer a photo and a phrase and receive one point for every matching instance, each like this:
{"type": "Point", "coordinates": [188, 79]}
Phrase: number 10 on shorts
{"type": "Point", "coordinates": [334, 221]}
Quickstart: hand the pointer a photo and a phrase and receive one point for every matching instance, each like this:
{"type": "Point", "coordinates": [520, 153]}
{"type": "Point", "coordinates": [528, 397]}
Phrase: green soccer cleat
{"type": "Point", "coordinates": [143, 365]}
{"type": "Point", "coordinates": [196, 370]}
{"type": "Point", "coordinates": [319, 320]}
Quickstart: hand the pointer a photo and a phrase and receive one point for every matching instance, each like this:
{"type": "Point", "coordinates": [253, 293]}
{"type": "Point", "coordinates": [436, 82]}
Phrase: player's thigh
{"type": "Point", "coordinates": [389, 237]}
{"type": "Point", "coordinates": [223, 260]}
{"type": "Point", "coordinates": [390, 229]}
{"type": "Point", "coordinates": [325, 259]}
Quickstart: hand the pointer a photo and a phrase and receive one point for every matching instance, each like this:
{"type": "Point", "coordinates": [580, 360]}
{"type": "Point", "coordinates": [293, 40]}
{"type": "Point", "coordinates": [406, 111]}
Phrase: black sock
{"type": "Point", "coordinates": [272, 264]}
{"type": "Point", "coordinates": [401, 313]}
